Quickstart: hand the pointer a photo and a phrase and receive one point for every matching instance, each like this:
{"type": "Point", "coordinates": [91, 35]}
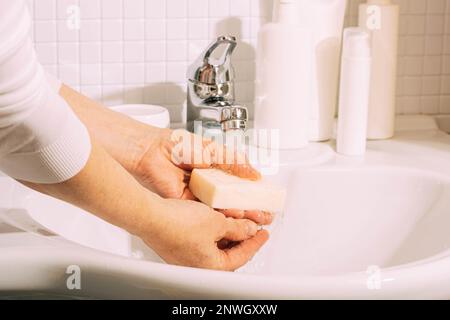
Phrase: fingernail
{"type": "Point", "coordinates": [252, 228]}
{"type": "Point", "coordinates": [269, 217]}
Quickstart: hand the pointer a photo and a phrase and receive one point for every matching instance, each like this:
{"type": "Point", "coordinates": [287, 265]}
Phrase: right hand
{"type": "Point", "coordinates": [189, 233]}
{"type": "Point", "coordinates": [156, 170]}
{"type": "Point", "coordinates": [147, 152]}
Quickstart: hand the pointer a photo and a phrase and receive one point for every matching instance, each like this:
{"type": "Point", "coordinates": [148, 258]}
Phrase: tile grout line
{"type": "Point", "coordinates": [165, 49]}
{"type": "Point", "coordinates": [441, 89]}
{"type": "Point", "coordinates": [58, 67]}
{"type": "Point", "coordinates": [101, 52]}
{"type": "Point", "coordinates": [123, 53]}
{"type": "Point", "coordinates": [146, 67]}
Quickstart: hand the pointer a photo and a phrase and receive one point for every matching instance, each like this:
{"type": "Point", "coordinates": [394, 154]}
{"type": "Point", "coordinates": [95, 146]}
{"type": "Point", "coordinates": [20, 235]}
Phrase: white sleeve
{"type": "Point", "coordinates": [41, 139]}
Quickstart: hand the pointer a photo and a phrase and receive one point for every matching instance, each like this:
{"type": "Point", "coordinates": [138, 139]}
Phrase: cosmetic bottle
{"type": "Point", "coordinates": [381, 19]}
{"type": "Point", "coordinates": [283, 80]}
{"type": "Point", "coordinates": [325, 20]}
{"type": "Point", "coordinates": [354, 92]}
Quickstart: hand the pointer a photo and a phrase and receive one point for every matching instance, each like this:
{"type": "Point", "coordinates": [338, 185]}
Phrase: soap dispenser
{"type": "Point", "coordinates": [283, 78]}
{"type": "Point", "coordinates": [325, 20]}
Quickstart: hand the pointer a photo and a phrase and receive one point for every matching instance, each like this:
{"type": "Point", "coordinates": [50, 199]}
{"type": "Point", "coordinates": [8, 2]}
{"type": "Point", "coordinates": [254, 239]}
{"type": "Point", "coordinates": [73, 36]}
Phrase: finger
{"type": "Point", "coordinates": [201, 153]}
{"type": "Point", "coordinates": [188, 195]}
{"type": "Point", "coordinates": [260, 217]}
{"type": "Point", "coordinates": [233, 213]}
{"type": "Point", "coordinates": [239, 230]}
{"type": "Point", "coordinates": [239, 255]}
{"type": "Point", "coordinates": [244, 171]}
{"type": "Point", "coordinates": [233, 162]}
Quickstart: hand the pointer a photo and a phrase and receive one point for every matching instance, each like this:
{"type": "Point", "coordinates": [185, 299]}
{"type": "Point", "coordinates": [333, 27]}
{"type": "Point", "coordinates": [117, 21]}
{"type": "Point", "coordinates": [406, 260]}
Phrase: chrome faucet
{"type": "Point", "coordinates": [211, 97]}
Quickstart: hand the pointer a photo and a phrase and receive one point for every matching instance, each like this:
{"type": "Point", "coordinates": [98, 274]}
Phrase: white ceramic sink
{"type": "Point", "coordinates": [377, 227]}
{"type": "Point", "coordinates": [341, 220]}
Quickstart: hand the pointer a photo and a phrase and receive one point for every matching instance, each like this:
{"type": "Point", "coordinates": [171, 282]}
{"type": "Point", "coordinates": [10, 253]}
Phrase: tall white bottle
{"type": "Point", "coordinates": [326, 17]}
{"type": "Point", "coordinates": [354, 92]}
{"type": "Point", "coordinates": [381, 18]}
{"type": "Point", "coordinates": [283, 80]}
{"type": "Point", "coordinates": [325, 20]}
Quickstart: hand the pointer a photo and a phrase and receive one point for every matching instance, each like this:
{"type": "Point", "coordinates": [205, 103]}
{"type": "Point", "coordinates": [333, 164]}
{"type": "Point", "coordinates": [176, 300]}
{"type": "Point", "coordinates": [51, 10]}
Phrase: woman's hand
{"type": "Point", "coordinates": [191, 234]}
{"type": "Point", "coordinates": [182, 232]}
{"type": "Point", "coordinates": [161, 169]}
{"type": "Point", "coordinates": [147, 152]}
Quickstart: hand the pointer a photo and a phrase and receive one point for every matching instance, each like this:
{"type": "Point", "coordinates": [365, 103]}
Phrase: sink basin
{"type": "Point", "coordinates": [373, 227]}
{"type": "Point", "coordinates": [67, 221]}
{"type": "Point", "coordinates": [341, 220]}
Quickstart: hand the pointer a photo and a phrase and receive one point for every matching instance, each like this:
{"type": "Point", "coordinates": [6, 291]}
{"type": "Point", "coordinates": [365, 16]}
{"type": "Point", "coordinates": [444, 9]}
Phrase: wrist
{"type": "Point", "coordinates": [151, 142]}
{"type": "Point", "coordinates": [125, 139]}
{"type": "Point", "coordinates": [150, 224]}
{"type": "Point", "coordinates": [133, 141]}
{"type": "Point", "coordinates": [143, 222]}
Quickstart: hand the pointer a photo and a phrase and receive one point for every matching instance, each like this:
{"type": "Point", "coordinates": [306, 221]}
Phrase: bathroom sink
{"type": "Point", "coordinates": [339, 223]}
{"type": "Point", "coordinates": [341, 220]}
{"type": "Point", "coordinates": [373, 227]}
{"type": "Point", "coordinates": [337, 220]}
{"type": "Point", "coordinates": [76, 225]}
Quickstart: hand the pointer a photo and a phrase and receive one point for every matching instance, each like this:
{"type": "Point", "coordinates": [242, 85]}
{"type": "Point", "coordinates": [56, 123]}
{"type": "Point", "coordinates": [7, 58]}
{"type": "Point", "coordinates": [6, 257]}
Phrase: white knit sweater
{"type": "Point", "coordinates": [41, 139]}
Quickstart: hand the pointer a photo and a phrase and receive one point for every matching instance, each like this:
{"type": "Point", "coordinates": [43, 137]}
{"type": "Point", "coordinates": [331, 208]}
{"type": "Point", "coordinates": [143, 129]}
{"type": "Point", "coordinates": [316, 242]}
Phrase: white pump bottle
{"type": "Point", "coordinates": [325, 20]}
{"type": "Point", "coordinates": [283, 81]}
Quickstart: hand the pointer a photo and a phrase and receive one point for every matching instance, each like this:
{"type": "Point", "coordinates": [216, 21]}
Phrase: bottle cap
{"type": "Point", "coordinates": [357, 43]}
{"type": "Point", "coordinates": [287, 12]}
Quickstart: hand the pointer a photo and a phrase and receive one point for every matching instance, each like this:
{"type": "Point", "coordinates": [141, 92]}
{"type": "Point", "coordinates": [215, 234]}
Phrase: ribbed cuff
{"type": "Point", "coordinates": [55, 163]}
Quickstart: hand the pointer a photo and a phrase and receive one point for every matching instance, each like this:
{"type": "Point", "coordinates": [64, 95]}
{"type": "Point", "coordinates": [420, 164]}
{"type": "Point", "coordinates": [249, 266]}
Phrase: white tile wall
{"type": "Point", "coordinates": [424, 49]}
{"type": "Point", "coordinates": [137, 51]}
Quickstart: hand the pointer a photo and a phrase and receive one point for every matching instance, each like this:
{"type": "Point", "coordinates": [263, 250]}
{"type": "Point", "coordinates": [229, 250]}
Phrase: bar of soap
{"type": "Point", "coordinates": [220, 190]}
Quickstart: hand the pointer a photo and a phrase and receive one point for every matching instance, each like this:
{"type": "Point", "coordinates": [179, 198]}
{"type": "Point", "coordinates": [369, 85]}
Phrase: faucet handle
{"type": "Point", "coordinates": [231, 41]}
{"type": "Point", "coordinates": [234, 117]}
{"type": "Point", "coordinates": [211, 71]}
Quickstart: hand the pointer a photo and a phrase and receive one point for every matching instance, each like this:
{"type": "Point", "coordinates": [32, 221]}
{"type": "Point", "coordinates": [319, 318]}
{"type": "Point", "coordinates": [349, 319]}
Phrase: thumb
{"type": "Point", "coordinates": [240, 230]}
{"type": "Point", "coordinates": [234, 163]}
{"type": "Point", "coordinates": [193, 152]}
{"type": "Point", "coordinates": [239, 255]}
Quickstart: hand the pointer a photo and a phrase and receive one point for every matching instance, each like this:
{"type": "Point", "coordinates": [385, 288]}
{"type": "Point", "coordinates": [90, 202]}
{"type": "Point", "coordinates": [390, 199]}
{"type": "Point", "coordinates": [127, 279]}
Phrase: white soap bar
{"type": "Point", "coordinates": [220, 190]}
